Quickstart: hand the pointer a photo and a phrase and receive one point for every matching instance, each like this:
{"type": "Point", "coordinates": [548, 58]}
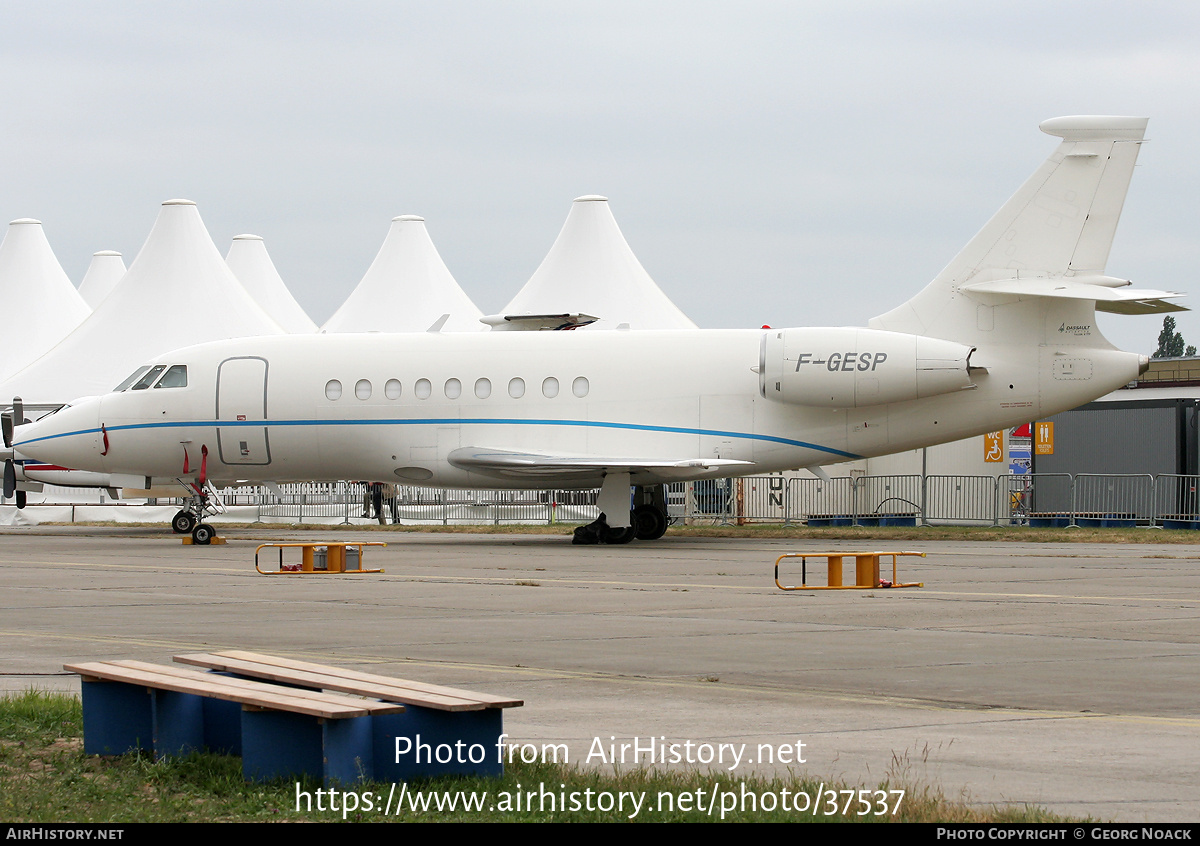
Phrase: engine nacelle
{"type": "Point", "coordinates": [850, 368]}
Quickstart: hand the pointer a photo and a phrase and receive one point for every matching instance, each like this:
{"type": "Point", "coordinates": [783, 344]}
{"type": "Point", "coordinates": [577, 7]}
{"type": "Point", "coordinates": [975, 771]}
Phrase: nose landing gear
{"type": "Point", "coordinates": [190, 519]}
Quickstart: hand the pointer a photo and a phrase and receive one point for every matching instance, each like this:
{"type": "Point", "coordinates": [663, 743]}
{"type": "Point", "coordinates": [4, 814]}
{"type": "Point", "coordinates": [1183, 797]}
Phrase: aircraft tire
{"type": "Point", "coordinates": [203, 534]}
{"type": "Point", "coordinates": [650, 522]}
{"type": "Point", "coordinates": [183, 523]}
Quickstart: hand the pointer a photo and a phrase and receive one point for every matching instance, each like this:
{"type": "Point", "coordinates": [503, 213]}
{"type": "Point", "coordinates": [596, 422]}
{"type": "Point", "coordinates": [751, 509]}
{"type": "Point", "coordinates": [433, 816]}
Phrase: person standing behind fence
{"type": "Point", "coordinates": [366, 498]}
{"type": "Point", "coordinates": [377, 502]}
{"type": "Point", "coordinates": [389, 494]}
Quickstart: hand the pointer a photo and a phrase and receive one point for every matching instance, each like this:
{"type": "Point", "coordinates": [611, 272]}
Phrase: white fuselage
{"type": "Point", "coordinates": [397, 408]}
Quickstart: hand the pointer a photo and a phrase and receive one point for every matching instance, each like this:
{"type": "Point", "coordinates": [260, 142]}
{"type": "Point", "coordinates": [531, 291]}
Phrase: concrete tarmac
{"type": "Point", "coordinates": [1058, 675]}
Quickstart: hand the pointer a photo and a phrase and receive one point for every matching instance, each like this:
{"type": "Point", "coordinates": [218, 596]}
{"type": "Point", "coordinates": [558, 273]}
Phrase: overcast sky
{"type": "Point", "coordinates": [785, 163]}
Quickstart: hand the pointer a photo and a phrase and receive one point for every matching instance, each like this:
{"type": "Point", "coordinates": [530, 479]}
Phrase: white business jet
{"type": "Point", "coordinates": [1005, 334]}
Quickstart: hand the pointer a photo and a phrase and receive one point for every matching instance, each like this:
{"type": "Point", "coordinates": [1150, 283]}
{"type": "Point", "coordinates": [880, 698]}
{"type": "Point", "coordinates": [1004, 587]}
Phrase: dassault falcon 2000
{"type": "Point", "coordinates": [1005, 334]}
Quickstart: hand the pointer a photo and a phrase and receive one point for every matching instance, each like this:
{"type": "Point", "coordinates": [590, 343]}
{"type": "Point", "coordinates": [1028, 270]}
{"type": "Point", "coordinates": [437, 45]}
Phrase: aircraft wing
{"type": "Point", "coordinates": [542, 466]}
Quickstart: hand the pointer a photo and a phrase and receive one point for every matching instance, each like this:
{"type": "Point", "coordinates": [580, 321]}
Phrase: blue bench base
{"type": "Point", "coordinates": [120, 718]}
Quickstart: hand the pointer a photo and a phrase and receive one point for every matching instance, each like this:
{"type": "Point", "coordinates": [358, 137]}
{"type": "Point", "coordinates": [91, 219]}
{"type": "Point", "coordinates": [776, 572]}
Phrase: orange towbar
{"type": "Point", "coordinates": [323, 557]}
{"type": "Point", "coordinates": [866, 570]}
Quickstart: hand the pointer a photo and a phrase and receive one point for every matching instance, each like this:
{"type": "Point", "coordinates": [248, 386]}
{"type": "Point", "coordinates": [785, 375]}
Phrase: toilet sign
{"type": "Point", "coordinates": [1043, 439]}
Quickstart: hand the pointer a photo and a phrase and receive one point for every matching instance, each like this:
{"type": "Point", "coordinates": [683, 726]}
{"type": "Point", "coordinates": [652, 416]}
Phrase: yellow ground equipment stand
{"type": "Point", "coordinates": [323, 558]}
{"type": "Point", "coordinates": [866, 570]}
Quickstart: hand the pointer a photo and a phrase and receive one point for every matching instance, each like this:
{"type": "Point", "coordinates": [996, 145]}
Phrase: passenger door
{"type": "Point", "coordinates": [242, 411]}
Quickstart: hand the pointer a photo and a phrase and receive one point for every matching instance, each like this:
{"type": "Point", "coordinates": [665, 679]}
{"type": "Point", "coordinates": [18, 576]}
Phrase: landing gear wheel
{"type": "Point", "coordinates": [183, 523]}
{"type": "Point", "coordinates": [650, 522]}
{"type": "Point", "coordinates": [203, 534]}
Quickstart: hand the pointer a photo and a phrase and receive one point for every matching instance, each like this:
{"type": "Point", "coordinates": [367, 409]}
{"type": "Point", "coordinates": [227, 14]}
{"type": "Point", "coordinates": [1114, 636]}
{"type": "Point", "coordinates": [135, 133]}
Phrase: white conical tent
{"type": "Point", "coordinates": [102, 276]}
{"type": "Point", "coordinates": [41, 306]}
{"type": "Point", "coordinates": [250, 263]}
{"type": "Point", "coordinates": [591, 269]}
{"type": "Point", "coordinates": [406, 289]}
{"type": "Point", "coordinates": [178, 292]}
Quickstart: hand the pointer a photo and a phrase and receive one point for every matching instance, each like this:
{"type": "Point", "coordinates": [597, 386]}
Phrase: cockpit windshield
{"type": "Point", "coordinates": [175, 377]}
{"type": "Point", "coordinates": [133, 377]}
{"type": "Point", "coordinates": [148, 380]}
{"type": "Point", "coordinates": [145, 376]}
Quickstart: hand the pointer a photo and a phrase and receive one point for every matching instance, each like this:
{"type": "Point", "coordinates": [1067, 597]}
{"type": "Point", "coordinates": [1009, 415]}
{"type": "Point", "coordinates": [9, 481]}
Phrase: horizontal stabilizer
{"type": "Point", "coordinates": [1108, 293]}
{"type": "Point", "coordinates": [534, 465]}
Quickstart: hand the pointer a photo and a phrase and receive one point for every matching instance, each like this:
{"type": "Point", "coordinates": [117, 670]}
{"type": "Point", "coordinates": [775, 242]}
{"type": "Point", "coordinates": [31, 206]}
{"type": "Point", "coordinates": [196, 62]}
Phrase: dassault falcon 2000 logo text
{"type": "Point", "coordinates": [1083, 329]}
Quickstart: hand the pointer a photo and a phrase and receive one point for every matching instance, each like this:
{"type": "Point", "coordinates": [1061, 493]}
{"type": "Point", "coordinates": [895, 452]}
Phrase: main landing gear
{"type": "Point", "coordinates": [647, 521]}
{"type": "Point", "coordinates": [650, 511]}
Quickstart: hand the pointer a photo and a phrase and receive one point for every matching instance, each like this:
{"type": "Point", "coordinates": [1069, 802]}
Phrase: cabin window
{"type": "Point", "coordinates": [580, 386]}
{"type": "Point", "coordinates": [133, 377]}
{"type": "Point", "coordinates": [423, 388]}
{"type": "Point", "coordinates": [516, 388]}
{"type": "Point", "coordinates": [453, 389]}
{"type": "Point", "coordinates": [550, 387]}
{"type": "Point", "coordinates": [362, 389]}
{"type": "Point", "coordinates": [483, 388]}
{"type": "Point", "coordinates": [333, 389]}
{"type": "Point", "coordinates": [175, 377]}
{"type": "Point", "coordinates": [391, 389]}
{"type": "Point", "coordinates": [148, 380]}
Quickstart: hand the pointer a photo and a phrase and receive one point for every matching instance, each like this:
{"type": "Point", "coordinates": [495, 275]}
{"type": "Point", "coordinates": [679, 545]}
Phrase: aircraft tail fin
{"type": "Point", "coordinates": [1059, 225]}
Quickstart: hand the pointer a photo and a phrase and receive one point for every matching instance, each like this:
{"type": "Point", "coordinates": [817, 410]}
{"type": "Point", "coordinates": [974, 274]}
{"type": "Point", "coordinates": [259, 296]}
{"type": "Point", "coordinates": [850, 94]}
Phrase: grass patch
{"type": "Point", "coordinates": [45, 777]}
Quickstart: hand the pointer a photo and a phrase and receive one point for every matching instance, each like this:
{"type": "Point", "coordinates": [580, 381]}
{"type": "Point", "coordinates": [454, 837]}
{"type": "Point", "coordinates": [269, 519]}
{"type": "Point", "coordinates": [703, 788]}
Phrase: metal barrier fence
{"type": "Point", "coordinates": [887, 500]}
{"type": "Point", "coordinates": [1176, 504]}
{"type": "Point", "coordinates": [960, 499]}
{"type": "Point", "coordinates": [344, 501]}
{"type": "Point", "coordinates": [856, 501]}
{"type": "Point", "coordinates": [1113, 500]}
{"type": "Point", "coordinates": [761, 499]}
{"type": "Point", "coordinates": [1035, 499]}
{"type": "Point", "coordinates": [816, 500]}
{"type": "Point", "coordinates": [1043, 499]}
{"type": "Point", "coordinates": [707, 501]}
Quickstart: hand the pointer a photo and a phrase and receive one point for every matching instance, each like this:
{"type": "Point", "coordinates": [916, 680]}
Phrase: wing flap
{"type": "Point", "coordinates": [533, 465]}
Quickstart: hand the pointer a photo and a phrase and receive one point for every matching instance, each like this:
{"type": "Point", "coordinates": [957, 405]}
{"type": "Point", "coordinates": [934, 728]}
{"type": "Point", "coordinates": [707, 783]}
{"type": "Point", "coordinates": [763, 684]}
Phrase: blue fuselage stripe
{"type": "Point", "coordinates": [453, 421]}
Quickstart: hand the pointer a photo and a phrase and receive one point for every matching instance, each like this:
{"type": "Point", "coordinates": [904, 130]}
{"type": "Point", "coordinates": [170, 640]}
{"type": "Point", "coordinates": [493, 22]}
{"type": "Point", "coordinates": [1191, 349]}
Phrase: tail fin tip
{"type": "Point", "coordinates": [1096, 128]}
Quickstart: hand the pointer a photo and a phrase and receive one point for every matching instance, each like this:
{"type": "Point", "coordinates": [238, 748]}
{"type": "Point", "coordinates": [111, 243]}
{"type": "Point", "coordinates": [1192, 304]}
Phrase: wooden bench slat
{"type": "Point", "coordinates": [254, 686]}
{"type": "Point", "coordinates": [130, 675]}
{"type": "Point", "coordinates": [337, 678]}
{"type": "Point", "coordinates": [490, 700]}
{"type": "Point", "coordinates": [242, 691]}
{"type": "Point", "coordinates": [324, 681]}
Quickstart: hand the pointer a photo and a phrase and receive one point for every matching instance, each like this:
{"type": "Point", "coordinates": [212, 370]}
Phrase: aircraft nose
{"type": "Point", "coordinates": [70, 437]}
